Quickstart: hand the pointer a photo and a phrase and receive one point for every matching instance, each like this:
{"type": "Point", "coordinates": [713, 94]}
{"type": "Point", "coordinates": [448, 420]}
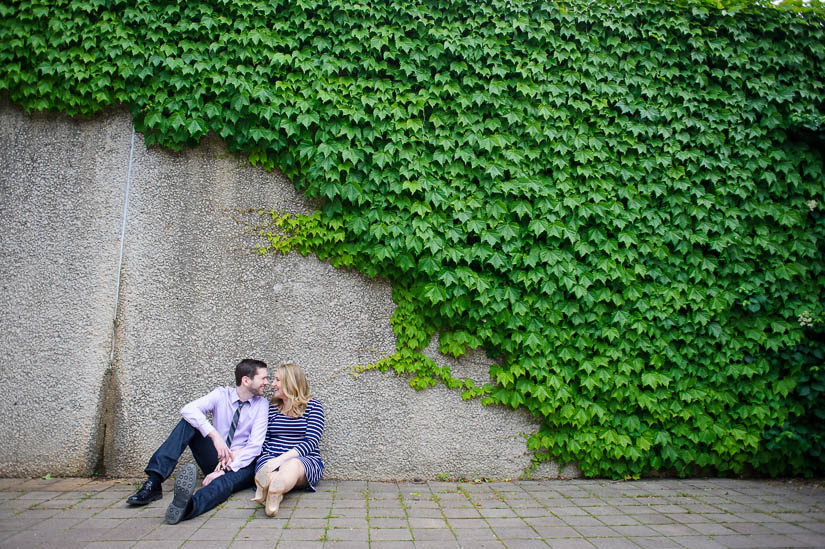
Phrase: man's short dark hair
{"type": "Point", "coordinates": [248, 367]}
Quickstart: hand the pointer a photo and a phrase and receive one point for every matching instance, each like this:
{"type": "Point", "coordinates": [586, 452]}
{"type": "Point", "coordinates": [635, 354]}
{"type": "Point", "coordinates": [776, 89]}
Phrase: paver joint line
{"type": "Point", "coordinates": [700, 513]}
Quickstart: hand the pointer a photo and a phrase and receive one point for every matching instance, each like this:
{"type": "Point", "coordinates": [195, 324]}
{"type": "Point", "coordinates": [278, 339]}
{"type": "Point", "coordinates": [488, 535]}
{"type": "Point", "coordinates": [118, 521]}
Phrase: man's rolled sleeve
{"type": "Point", "coordinates": [195, 412]}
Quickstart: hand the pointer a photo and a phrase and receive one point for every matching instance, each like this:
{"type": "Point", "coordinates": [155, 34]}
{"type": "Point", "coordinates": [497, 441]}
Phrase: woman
{"type": "Point", "coordinates": [290, 457]}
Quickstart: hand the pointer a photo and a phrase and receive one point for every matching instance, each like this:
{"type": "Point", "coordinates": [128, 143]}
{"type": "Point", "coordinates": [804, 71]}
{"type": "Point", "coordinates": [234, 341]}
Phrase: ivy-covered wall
{"type": "Point", "coordinates": [621, 202]}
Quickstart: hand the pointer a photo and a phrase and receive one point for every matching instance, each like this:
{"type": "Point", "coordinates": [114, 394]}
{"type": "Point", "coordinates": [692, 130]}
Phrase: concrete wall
{"type": "Point", "coordinates": [190, 301]}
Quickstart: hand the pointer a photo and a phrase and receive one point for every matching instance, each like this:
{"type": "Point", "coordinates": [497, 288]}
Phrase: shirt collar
{"type": "Point", "coordinates": [236, 398]}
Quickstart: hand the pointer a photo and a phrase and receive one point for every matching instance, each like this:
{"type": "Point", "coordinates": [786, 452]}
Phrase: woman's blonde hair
{"type": "Point", "coordinates": [295, 387]}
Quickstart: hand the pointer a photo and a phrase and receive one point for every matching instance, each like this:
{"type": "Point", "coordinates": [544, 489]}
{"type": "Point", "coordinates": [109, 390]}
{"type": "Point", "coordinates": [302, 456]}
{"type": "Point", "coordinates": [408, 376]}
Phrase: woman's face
{"type": "Point", "coordinates": [276, 386]}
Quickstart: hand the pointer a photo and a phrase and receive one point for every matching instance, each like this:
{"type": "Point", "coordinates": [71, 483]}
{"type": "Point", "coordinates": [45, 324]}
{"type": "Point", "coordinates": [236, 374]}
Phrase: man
{"type": "Point", "coordinates": [225, 451]}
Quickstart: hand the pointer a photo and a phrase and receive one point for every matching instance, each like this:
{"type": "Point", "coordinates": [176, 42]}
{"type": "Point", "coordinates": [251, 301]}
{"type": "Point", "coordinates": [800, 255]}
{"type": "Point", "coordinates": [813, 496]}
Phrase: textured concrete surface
{"type": "Point", "coordinates": [62, 187]}
{"type": "Point", "coordinates": [194, 300]}
{"type": "Point", "coordinates": [700, 513]}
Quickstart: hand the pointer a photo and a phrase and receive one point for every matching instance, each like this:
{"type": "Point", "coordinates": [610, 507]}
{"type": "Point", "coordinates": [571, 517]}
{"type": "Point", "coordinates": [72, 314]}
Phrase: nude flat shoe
{"type": "Point", "coordinates": [259, 493]}
{"type": "Point", "coordinates": [262, 478]}
{"type": "Point", "coordinates": [275, 495]}
{"type": "Point", "coordinates": [273, 503]}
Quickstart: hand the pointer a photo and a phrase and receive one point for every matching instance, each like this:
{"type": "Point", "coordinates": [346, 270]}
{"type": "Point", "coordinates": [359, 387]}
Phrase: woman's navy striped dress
{"type": "Point", "coordinates": [301, 433]}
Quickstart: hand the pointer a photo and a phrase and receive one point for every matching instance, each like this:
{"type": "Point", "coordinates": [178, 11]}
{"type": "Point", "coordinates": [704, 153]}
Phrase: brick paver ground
{"type": "Point", "coordinates": [572, 514]}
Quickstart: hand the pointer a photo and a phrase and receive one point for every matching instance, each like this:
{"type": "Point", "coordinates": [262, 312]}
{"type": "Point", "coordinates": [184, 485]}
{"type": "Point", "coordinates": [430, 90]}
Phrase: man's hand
{"type": "Point", "coordinates": [224, 455]}
{"type": "Point", "coordinates": [225, 464]}
{"type": "Point", "coordinates": [213, 475]}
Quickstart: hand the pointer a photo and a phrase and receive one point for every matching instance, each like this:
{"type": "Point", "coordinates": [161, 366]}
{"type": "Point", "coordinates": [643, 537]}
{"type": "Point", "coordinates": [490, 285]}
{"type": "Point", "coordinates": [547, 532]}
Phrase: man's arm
{"type": "Point", "coordinates": [195, 415]}
{"type": "Point", "coordinates": [245, 455]}
{"type": "Point", "coordinates": [252, 449]}
{"type": "Point", "coordinates": [195, 412]}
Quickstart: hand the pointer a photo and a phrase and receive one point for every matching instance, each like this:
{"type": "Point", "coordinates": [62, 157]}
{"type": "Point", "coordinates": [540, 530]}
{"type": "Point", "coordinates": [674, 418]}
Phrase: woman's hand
{"type": "Point", "coordinates": [283, 458]}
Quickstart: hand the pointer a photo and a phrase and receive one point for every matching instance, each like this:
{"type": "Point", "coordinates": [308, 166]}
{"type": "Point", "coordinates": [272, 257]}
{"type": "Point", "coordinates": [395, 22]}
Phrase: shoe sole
{"type": "Point", "coordinates": [184, 488]}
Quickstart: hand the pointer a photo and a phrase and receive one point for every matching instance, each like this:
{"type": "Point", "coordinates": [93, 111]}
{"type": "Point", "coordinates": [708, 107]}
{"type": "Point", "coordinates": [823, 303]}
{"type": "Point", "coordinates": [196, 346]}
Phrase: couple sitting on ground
{"type": "Point", "coordinates": [274, 445]}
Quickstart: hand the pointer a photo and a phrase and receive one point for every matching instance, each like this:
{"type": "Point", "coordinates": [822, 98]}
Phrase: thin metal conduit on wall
{"type": "Point", "coordinates": [122, 242]}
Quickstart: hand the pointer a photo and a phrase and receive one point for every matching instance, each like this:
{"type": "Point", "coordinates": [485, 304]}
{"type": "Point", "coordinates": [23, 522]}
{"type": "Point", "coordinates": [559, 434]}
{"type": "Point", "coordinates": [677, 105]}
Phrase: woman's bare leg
{"type": "Point", "coordinates": [290, 475]}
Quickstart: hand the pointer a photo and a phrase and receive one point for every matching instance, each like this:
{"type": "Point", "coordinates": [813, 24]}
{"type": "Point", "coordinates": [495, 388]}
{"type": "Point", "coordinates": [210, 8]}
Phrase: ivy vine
{"type": "Point", "coordinates": [621, 202]}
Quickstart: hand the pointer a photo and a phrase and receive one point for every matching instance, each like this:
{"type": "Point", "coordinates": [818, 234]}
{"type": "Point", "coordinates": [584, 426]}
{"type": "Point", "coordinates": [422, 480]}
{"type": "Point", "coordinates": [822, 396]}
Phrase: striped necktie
{"type": "Point", "coordinates": [234, 424]}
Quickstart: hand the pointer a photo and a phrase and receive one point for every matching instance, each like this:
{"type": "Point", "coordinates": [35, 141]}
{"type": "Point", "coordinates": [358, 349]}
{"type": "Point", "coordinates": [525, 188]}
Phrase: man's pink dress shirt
{"type": "Point", "coordinates": [222, 403]}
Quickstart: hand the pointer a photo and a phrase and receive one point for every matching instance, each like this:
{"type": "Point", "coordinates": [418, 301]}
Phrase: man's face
{"type": "Point", "coordinates": [258, 384]}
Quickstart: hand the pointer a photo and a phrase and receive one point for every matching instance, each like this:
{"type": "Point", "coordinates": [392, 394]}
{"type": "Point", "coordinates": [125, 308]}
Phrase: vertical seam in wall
{"type": "Point", "coordinates": [122, 243]}
{"type": "Point", "coordinates": [109, 390]}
